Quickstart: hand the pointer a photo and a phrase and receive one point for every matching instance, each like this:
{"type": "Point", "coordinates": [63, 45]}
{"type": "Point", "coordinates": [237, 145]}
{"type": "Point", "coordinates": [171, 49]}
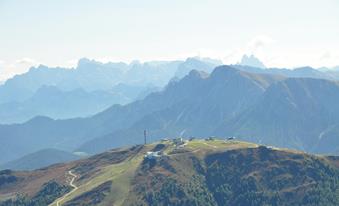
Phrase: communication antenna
{"type": "Point", "coordinates": [145, 137]}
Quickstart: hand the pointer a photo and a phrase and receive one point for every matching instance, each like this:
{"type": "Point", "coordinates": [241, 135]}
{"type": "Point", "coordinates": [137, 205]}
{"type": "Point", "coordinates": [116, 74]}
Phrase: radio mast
{"type": "Point", "coordinates": [145, 137]}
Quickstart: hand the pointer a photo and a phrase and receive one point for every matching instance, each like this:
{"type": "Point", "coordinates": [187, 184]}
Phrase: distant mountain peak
{"type": "Point", "coordinates": [198, 74]}
{"type": "Point", "coordinates": [193, 63]}
{"type": "Point", "coordinates": [39, 67]}
{"type": "Point", "coordinates": [252, 61]}
{"type": "Point", "coordinates": [224, 70]}
{"type": "Point", "coordinates": [85, 62]}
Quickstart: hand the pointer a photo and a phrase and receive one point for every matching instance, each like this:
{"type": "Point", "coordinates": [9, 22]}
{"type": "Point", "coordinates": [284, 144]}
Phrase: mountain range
{"type": "Point", "coordinates": [91, 87]}
{"type": "Point", "coordinates": [52, 102]}
{"type": "Point", "coordinates": [91, 75]}
{"type": "Point", "coordinates": [299, 113]}
{"type": "Point", "coordinates": [306, 72]}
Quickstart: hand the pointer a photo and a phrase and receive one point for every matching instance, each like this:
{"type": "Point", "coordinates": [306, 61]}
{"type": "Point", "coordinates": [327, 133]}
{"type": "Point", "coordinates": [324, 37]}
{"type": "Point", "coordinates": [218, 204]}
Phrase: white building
{"type": "Point", "coordinates": [152, 155]}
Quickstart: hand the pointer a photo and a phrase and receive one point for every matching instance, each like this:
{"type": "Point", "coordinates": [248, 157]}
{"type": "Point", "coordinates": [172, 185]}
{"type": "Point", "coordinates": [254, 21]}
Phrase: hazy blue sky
{"type": "Point", "coordinates": [286, 33]}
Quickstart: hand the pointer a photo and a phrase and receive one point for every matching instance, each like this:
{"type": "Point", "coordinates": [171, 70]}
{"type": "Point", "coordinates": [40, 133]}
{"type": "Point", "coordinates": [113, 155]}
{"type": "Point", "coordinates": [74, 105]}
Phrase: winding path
{"type": "Point", "coordinates": [71, 183]}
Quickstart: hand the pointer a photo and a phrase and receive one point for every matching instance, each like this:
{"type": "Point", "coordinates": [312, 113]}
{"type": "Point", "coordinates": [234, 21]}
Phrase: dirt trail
{"type": "Point", "coordinates": [71, 183]}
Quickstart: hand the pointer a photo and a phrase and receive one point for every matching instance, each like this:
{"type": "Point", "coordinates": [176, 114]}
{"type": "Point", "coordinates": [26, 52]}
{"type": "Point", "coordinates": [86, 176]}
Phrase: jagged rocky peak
{"type": "Point", "coordinates": [251, 60]}
{"type": "Point", "coordinates": [85, 62]}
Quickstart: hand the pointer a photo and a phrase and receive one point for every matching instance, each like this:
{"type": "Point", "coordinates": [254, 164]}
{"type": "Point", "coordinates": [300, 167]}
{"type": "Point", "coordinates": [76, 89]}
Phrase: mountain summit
{"type": "Point", "coordinates": [251, 61]}
{"type": "Point", "coordinates": [211, 172]}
